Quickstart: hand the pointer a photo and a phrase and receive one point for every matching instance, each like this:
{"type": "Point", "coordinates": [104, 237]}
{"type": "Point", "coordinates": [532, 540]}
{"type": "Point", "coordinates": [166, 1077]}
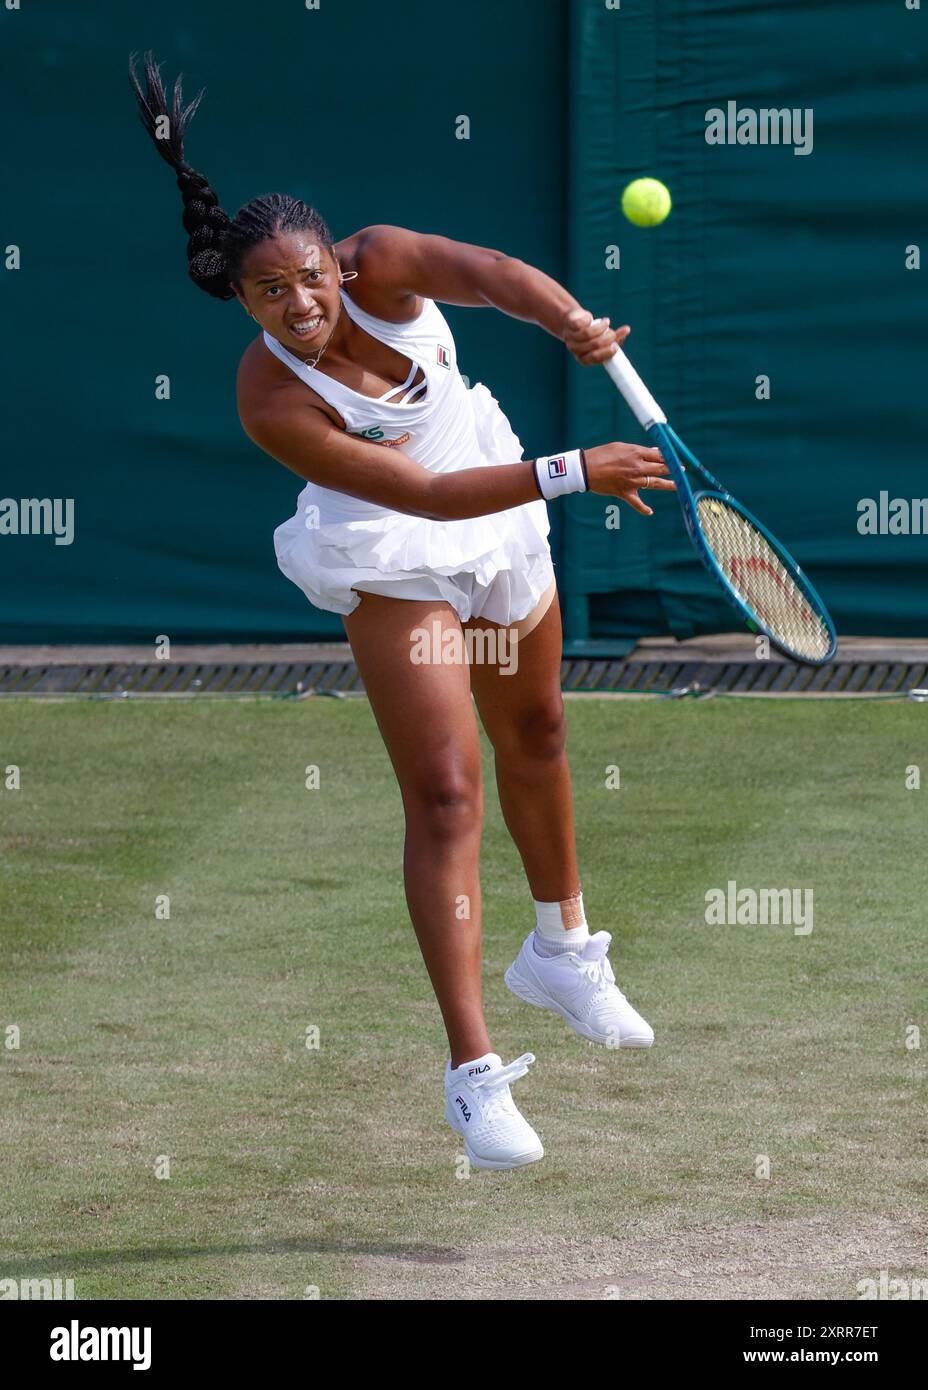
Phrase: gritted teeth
{"type": "Point", "coordinates": [306, 325]}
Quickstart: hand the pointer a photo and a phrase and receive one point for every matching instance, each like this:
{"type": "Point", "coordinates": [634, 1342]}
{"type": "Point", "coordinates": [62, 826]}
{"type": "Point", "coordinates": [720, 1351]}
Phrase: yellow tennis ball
{"type": "Point", "coordinates": [646, 202]}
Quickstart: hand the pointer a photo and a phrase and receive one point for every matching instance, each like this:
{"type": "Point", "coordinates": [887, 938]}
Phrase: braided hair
{"type": "Point", "coordinates": [217, 244]}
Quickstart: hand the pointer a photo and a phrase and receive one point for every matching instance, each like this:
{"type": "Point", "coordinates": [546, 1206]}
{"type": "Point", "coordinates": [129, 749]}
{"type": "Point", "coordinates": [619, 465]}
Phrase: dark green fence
{"type": "Point", "coordinates": [773, 264]}
{"type": "Point", "coordinates": [352, 107]}
{"type": "Point", "coordinates": [776, 265]}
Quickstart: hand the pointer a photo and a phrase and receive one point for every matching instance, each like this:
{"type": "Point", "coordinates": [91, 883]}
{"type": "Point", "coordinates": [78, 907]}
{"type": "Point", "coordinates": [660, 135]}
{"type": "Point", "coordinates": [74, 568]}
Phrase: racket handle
{"type": "Point", "coordinates": [640, 401]}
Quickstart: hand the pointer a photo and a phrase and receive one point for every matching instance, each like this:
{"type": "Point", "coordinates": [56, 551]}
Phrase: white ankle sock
{"type": "Point", "coordinates": [553, 935]}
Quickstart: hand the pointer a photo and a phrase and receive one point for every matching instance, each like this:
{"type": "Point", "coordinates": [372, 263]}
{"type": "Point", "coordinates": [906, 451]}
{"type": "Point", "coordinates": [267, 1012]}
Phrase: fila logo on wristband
{"type": "Point", "coordinates": [561, 473]}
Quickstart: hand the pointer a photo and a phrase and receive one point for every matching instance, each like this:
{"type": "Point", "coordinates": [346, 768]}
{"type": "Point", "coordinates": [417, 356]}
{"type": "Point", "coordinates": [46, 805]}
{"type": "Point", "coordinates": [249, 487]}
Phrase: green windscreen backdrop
{"type": "Point", "coordinates": [353, 107]}
{"type": "Point", "coordinates": [774, 267]}
{"type": "Point", "coordinates": [773, 264]}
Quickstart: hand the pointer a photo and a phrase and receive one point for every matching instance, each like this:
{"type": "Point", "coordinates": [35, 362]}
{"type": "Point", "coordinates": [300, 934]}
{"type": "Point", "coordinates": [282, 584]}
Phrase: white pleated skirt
{"type": "Point", "coordinates": [495, 567]}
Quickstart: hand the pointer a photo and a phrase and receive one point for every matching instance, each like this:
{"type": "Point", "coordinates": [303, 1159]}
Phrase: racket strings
{"type": "Point", "coordinates": [761, 579]}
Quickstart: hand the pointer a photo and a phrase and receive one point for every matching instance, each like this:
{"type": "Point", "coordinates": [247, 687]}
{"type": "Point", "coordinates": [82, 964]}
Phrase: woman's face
{"type": "Point", "coordinates": [290, 284]}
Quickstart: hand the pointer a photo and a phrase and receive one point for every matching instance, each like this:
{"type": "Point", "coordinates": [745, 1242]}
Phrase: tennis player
{"type": "Point", "coordinates": [419, 515]}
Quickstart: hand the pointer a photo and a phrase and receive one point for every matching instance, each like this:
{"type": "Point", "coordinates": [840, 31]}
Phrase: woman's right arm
{"type": "Point", "coordinates": [306, 441]}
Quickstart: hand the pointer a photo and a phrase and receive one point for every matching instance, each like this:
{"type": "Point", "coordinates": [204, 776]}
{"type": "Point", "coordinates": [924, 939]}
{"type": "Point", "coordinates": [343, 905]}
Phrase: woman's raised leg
{"type": "Point", "coordinates": [426, 716]}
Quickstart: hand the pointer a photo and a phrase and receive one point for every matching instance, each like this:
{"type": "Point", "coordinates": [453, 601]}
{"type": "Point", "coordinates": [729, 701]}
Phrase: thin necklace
{"type": "Point", "coordinates": [314, 362]}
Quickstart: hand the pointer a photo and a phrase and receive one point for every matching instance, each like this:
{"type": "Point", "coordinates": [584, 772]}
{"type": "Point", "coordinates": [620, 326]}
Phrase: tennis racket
{"type": "Point", "coordinates": [757, 574]}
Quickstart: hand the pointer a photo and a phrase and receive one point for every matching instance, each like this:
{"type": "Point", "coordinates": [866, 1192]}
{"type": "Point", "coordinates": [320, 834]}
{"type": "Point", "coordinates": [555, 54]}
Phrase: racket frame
{"type": "Point", "coordinates": [674, 452]}
{"type": "Point", "coordinates": [653, 420]}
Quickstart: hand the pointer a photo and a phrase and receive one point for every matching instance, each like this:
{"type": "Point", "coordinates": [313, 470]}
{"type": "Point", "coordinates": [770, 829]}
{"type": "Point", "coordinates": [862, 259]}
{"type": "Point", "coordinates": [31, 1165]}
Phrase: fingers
{"type": "Point", "coordinates": [592, 339]}
{"type": "Point", "coordinates": [576, 321]}
{"type": "Point", "coordinates": [650, 464]}
{"type": "Point", "coordinates": [652, 482]}
{"type": "Point", "coordinates": [583, 333]}
{"type": "Point", "coordinates": [635, 501]}
{"type": "Point", "coordinates": [604, 348]}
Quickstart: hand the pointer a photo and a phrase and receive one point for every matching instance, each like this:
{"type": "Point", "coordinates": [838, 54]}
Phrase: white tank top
{"type": "Point", "coordinates": [436, 427]}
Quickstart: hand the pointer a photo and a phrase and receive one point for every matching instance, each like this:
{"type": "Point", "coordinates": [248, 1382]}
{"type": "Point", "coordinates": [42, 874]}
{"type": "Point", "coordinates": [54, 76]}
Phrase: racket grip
{"type": "Point", "coordinates": [640, 401]}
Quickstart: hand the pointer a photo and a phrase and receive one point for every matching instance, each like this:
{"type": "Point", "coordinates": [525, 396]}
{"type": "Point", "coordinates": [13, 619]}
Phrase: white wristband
{"type": "Point", "coordinates": [560, 473]}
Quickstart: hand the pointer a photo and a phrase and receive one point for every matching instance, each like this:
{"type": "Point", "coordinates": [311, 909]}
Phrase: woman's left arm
{"type": "Point", "coordinates": [406, 264]}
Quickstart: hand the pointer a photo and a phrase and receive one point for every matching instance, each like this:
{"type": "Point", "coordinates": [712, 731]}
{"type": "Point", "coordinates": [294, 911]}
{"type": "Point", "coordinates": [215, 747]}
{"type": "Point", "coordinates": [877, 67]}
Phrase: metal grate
{"type": "Point", "coordinates": [228, 679]}
{"type": "Point", "coordinates": [742, 677]}
{"type": "Point", "coordinates": [111, 680]}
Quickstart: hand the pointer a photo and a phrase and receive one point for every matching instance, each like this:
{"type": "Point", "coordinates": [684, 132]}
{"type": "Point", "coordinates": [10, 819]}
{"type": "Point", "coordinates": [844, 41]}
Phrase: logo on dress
{"type": "Point", "coordinates": [375, 435]}
{"type": "Point", "coordinates": [557, 467]}
{"type": "Point", "coordinates": [444, 357]}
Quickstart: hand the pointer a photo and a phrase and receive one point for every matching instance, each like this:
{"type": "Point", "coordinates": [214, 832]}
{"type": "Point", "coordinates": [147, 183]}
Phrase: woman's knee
{"type": "Point", "coordinates": [446, 804]}
{"type": "Point", "coordinates": [537, 732]}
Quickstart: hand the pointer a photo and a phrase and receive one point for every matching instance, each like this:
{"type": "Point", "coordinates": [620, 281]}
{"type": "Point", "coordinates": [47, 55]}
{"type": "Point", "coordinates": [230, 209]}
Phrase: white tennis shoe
{"type": "Point", "coordinates": [580, 986]}
{"type": "Point", "coordinates": [479, 1106]}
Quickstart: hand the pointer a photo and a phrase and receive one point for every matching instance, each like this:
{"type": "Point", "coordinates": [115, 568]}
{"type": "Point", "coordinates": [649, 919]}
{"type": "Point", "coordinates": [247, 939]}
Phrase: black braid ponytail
{"type": "Point", "coordinates": [204, 219]}
{"type": "Point", "coordinates": [217, 244]}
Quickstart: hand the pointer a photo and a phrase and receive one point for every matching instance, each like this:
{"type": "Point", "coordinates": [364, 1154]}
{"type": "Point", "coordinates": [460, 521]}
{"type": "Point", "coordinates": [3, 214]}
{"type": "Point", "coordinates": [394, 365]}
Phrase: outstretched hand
{"type": "Point", "coordinates": [591, 340]}
{"type": "Point", "coordinates": [624, 470]}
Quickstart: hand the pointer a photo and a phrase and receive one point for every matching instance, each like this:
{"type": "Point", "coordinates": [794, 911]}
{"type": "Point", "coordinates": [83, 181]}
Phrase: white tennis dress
{"type": "Point", "coordinates": [495, 567]}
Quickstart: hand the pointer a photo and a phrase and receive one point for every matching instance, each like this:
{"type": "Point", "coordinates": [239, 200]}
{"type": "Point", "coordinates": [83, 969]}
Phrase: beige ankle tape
{"type": "Point", "coordinates": [572, 911]}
